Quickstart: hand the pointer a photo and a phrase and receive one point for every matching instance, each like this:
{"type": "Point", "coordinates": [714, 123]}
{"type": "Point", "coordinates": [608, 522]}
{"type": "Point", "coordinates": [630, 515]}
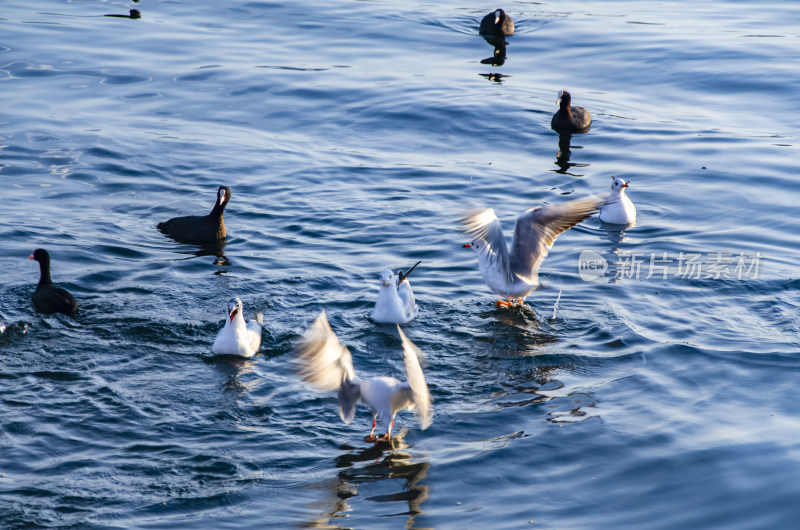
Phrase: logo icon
{"type": "Point", "coordinates": [591, 266]}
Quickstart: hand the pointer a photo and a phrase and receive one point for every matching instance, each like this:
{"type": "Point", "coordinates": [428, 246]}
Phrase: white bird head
{"type": "Point", "coordinates": [234, 308]}
{"type": "Point", "coordinates": [387, 277]}
{"type": "Point", "coordinates": [618, 184]}
{"type": "Point", "coordinates": [476, 244]}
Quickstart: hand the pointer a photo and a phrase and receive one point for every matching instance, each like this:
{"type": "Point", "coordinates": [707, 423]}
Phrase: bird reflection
{"type": "Point", "coordinates": [537, 381]}
{"type": "Point", "coordinates": [517, 331]}
{"type": "Point", "coordinates": [494, 77]}
{"type": "Point", "coordinates": [133, 13]}
{"type": "Point", "coordinates": [234, 367]}
{"type": "Point", "coordinates": [499, 56]}
{"type": "Point", "coordinates": [540, 384]}
{"type": "Point", "coordinates": [583, 406]}
{"type": "Point", "coordinates": [381, 462]}
{"type": "Point", "coordinates": [492, 33]}
{"type": "Point", "coordinates": [221, 261]}
{"type": "Point", "coordinates": [564, 154]}
{"type": "Point", "coordinates": [615, 234]}
{"type": "Point", "coordinates": [213, 248]}
{"type": "Point", "coordinates": [525, 387]}
{"type": "Point", "coordinates": [619, 266]}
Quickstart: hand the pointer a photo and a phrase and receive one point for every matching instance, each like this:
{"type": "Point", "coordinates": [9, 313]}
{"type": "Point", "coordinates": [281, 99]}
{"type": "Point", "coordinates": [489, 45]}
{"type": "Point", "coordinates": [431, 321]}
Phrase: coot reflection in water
{"type": "Point", "coordinates": [495, 77]}
{"type": "Point", "coordinates": [188, 251]}
{"type": "Point", "coordinates": [564, 154]}
{"type": "Point", "coordinates": [498, 58]}
{"type": "Point", "coordinates": [133, 14]}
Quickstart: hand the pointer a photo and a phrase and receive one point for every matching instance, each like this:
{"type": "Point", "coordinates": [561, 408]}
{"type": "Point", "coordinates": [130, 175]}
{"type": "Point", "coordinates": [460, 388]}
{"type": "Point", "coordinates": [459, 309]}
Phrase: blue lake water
{"type": "Point", "coordinates": [354, 134]}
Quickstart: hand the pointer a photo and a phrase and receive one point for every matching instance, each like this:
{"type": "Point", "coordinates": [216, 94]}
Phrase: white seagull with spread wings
{"type": "Point", "coordinates": [514, 274]}
{"type": "Point", "coordinates": [327, 364]}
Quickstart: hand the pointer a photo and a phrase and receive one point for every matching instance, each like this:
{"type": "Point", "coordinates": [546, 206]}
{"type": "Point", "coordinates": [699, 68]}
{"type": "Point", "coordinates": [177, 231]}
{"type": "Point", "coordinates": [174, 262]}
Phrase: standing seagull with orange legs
{"type": "Point", "coordinates": [328, 365]}
{"type": "Point", "coordinates": [514, 274]}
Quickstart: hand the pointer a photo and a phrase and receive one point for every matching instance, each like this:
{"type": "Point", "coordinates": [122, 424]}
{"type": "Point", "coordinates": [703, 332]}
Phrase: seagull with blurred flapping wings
{"type": "Point", "coordinates": [514, 273]}
{"type": "Point", "coordinates": [327, 364]}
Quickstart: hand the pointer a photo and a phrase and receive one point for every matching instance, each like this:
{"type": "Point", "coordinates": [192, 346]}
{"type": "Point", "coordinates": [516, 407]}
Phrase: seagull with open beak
{"type": "Point", "coordinates": [238, 337]}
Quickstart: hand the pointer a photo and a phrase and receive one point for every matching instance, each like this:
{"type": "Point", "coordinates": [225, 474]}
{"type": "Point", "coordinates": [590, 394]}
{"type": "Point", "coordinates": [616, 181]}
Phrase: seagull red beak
{"type": "Point", "coordinates": [467, 245]}
{"type": "Point", "coordinates": [233, 314]}
{"type": "Point", "coordinates": [30, 257]}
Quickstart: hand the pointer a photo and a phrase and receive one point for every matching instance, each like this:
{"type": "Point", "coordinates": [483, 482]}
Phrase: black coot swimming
{"type": "Point", "coordinates": [200, 228]}
{"type": "Point", "coordinates": [497, 24]}
{"type": "Point", "coordinates": [568, 118]}
{"type": "Point", "coordinates": [47, 298]}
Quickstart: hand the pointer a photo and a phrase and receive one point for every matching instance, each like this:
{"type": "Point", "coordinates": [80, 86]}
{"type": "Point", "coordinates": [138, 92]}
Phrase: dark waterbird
{"type": "Point", "coordinates": [200, 228]}
{"type": "Point", "coordinates": [568, 119]}
{"type": "Point", "coordinates": [497, 24]}
{"type": "Point", "coordinates": [133, 13]}
{"type": "Point", "coordinates": [47, 298]}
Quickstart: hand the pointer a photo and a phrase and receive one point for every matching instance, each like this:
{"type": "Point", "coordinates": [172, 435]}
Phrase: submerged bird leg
{"type": "Point", "coordinates": [371, 437]}
{"type": "Point", "coordinates": [509, 302]}
{"type": "Point", "coordinates": [388, 436]}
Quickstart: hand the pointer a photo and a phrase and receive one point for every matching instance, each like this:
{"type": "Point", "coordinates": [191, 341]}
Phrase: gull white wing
{"type": "Point", "coordinates": [416, 381]}
{"type": "Point", "coordinates": [537, 229]}
{"type": "Point", "coordinates": [493, 258]}
{"type": "Point", "coordinates": [254, 329]}
{"type": "Point", "coordinates": [409, 303]}
{"type": "Point", "coordinates": [328, 365]}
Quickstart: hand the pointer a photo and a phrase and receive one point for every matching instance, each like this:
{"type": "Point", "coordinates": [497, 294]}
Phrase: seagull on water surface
{"type": "Point", "coordinates": [327, 364]}
{"type": "Point", "coordinates": [513, 274]}
{"type": "Point", "coordinates": [618, 208]}
{"type": "Point", "coordinates": [238, 337]}
{"type": "Point", "coordinates": [396, 304]}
